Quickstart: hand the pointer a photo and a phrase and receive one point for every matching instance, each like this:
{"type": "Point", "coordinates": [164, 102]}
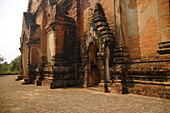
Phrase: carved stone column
{"type": "Point", "coordinates": [102, 64]}
{"type": "Point", "coordinates": [86, 76]}
{"type": "Point", "coordinates": [86, 69]}
{"type": "Point", "coordinates": [164, 26]}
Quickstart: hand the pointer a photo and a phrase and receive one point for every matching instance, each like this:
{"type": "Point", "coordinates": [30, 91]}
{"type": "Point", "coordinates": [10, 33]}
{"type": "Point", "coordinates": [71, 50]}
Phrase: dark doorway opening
{"type": "Point", "coordinates": [94, 77]}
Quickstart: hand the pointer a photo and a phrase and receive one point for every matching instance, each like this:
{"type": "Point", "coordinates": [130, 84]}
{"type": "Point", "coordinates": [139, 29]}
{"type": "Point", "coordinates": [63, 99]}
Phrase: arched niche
{"type": "Point", "coordinates": [98, 46]}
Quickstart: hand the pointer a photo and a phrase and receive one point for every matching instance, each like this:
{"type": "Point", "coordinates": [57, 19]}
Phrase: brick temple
{"type": "Point", "coordinates": [119, 46]}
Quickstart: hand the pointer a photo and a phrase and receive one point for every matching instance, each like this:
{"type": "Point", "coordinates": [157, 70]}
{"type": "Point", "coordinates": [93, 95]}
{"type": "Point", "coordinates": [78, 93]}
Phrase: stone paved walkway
{"type": "Point", "coordinates": [17, 98]}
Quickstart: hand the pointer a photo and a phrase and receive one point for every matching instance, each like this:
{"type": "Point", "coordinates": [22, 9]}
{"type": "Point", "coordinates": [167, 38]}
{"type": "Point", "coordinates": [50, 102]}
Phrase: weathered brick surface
{"type": "Point", "coordinates": [34, 57]}
{"type": "Point", "coordinates": [149, 38]}
{"type": "Point", "coordinates": [164, 13]}
{"type": "Point", "coordinates": [143, 3]}
{"type": "Point", "coordinates": [160, 91]}
{"type": "Point", "coordinates": [142, 40]}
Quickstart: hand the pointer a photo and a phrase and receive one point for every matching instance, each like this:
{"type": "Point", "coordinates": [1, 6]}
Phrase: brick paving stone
{"type": "Point", "coordinates": [17, 98]}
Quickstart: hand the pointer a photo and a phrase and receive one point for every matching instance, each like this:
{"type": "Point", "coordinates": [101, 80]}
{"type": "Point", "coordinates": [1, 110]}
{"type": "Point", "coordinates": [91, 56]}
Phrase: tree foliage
{"type": "Point", "coordinates": [15, 64]}
{"type": "Point", "coordinates": [12, 68]}
{"type": "Point", "coordinates": [1, 59]}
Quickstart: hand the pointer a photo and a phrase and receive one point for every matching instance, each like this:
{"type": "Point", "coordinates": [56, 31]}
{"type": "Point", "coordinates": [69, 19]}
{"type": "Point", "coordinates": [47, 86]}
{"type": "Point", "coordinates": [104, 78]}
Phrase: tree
{"type": "Point", "coordinates": [1, 59]}
{"type": "Point", "coordinates": [15, 64]}
{"type": "Point", "coordinates": [3, 66]}
{"type": "Point", "coordinates": [12, 68]}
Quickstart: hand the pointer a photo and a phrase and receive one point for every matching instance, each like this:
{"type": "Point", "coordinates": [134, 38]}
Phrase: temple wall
{"type": "Point", "coordinates": [141, 27]}
{"type": "Point", "coordinates": [164, 13]}
{"type": "Point", "coordinates": [134, 63]}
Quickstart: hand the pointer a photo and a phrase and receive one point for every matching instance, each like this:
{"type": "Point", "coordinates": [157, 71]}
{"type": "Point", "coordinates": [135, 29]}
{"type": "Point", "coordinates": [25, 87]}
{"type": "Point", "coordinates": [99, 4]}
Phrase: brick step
{"type": "Point", "coordinates": [95, 88]}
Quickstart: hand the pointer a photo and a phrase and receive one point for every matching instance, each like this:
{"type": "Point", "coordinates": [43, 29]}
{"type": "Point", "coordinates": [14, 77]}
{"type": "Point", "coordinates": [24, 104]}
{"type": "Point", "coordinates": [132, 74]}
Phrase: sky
{"type": "Point", "coordinates": [11, 14]}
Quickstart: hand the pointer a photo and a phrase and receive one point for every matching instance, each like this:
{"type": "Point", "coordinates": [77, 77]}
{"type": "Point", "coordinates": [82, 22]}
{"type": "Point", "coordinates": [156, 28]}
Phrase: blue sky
{"type": "Point", "coordinates": [11, 13]}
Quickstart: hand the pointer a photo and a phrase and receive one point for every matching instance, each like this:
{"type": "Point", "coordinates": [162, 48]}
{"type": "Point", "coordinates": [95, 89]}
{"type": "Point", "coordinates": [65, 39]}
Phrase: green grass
{"type": "Point", "coordinates": [9, 72]}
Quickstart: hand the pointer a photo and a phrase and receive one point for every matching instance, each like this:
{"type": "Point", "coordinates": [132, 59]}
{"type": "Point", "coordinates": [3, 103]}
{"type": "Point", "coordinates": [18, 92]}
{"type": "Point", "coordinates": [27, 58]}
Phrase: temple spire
{"type": "Point", "coordinates": [29, 5]}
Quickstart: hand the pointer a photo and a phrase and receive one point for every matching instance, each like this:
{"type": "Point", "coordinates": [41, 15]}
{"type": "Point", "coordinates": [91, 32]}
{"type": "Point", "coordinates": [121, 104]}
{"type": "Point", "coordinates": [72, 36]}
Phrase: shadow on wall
{"type": "Point", "coordinates": [132, 28]}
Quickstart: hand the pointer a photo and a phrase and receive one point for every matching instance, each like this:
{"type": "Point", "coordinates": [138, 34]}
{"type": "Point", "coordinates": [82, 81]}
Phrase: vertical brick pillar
{"type": "Point", "coordinates": [164, 24]}
{"type": "Point", "coordinates": [121, 52]}
{"type": "Point", "coordinates": [119, 35]}
{"type": "Point", "coordinates": [30, 78]}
